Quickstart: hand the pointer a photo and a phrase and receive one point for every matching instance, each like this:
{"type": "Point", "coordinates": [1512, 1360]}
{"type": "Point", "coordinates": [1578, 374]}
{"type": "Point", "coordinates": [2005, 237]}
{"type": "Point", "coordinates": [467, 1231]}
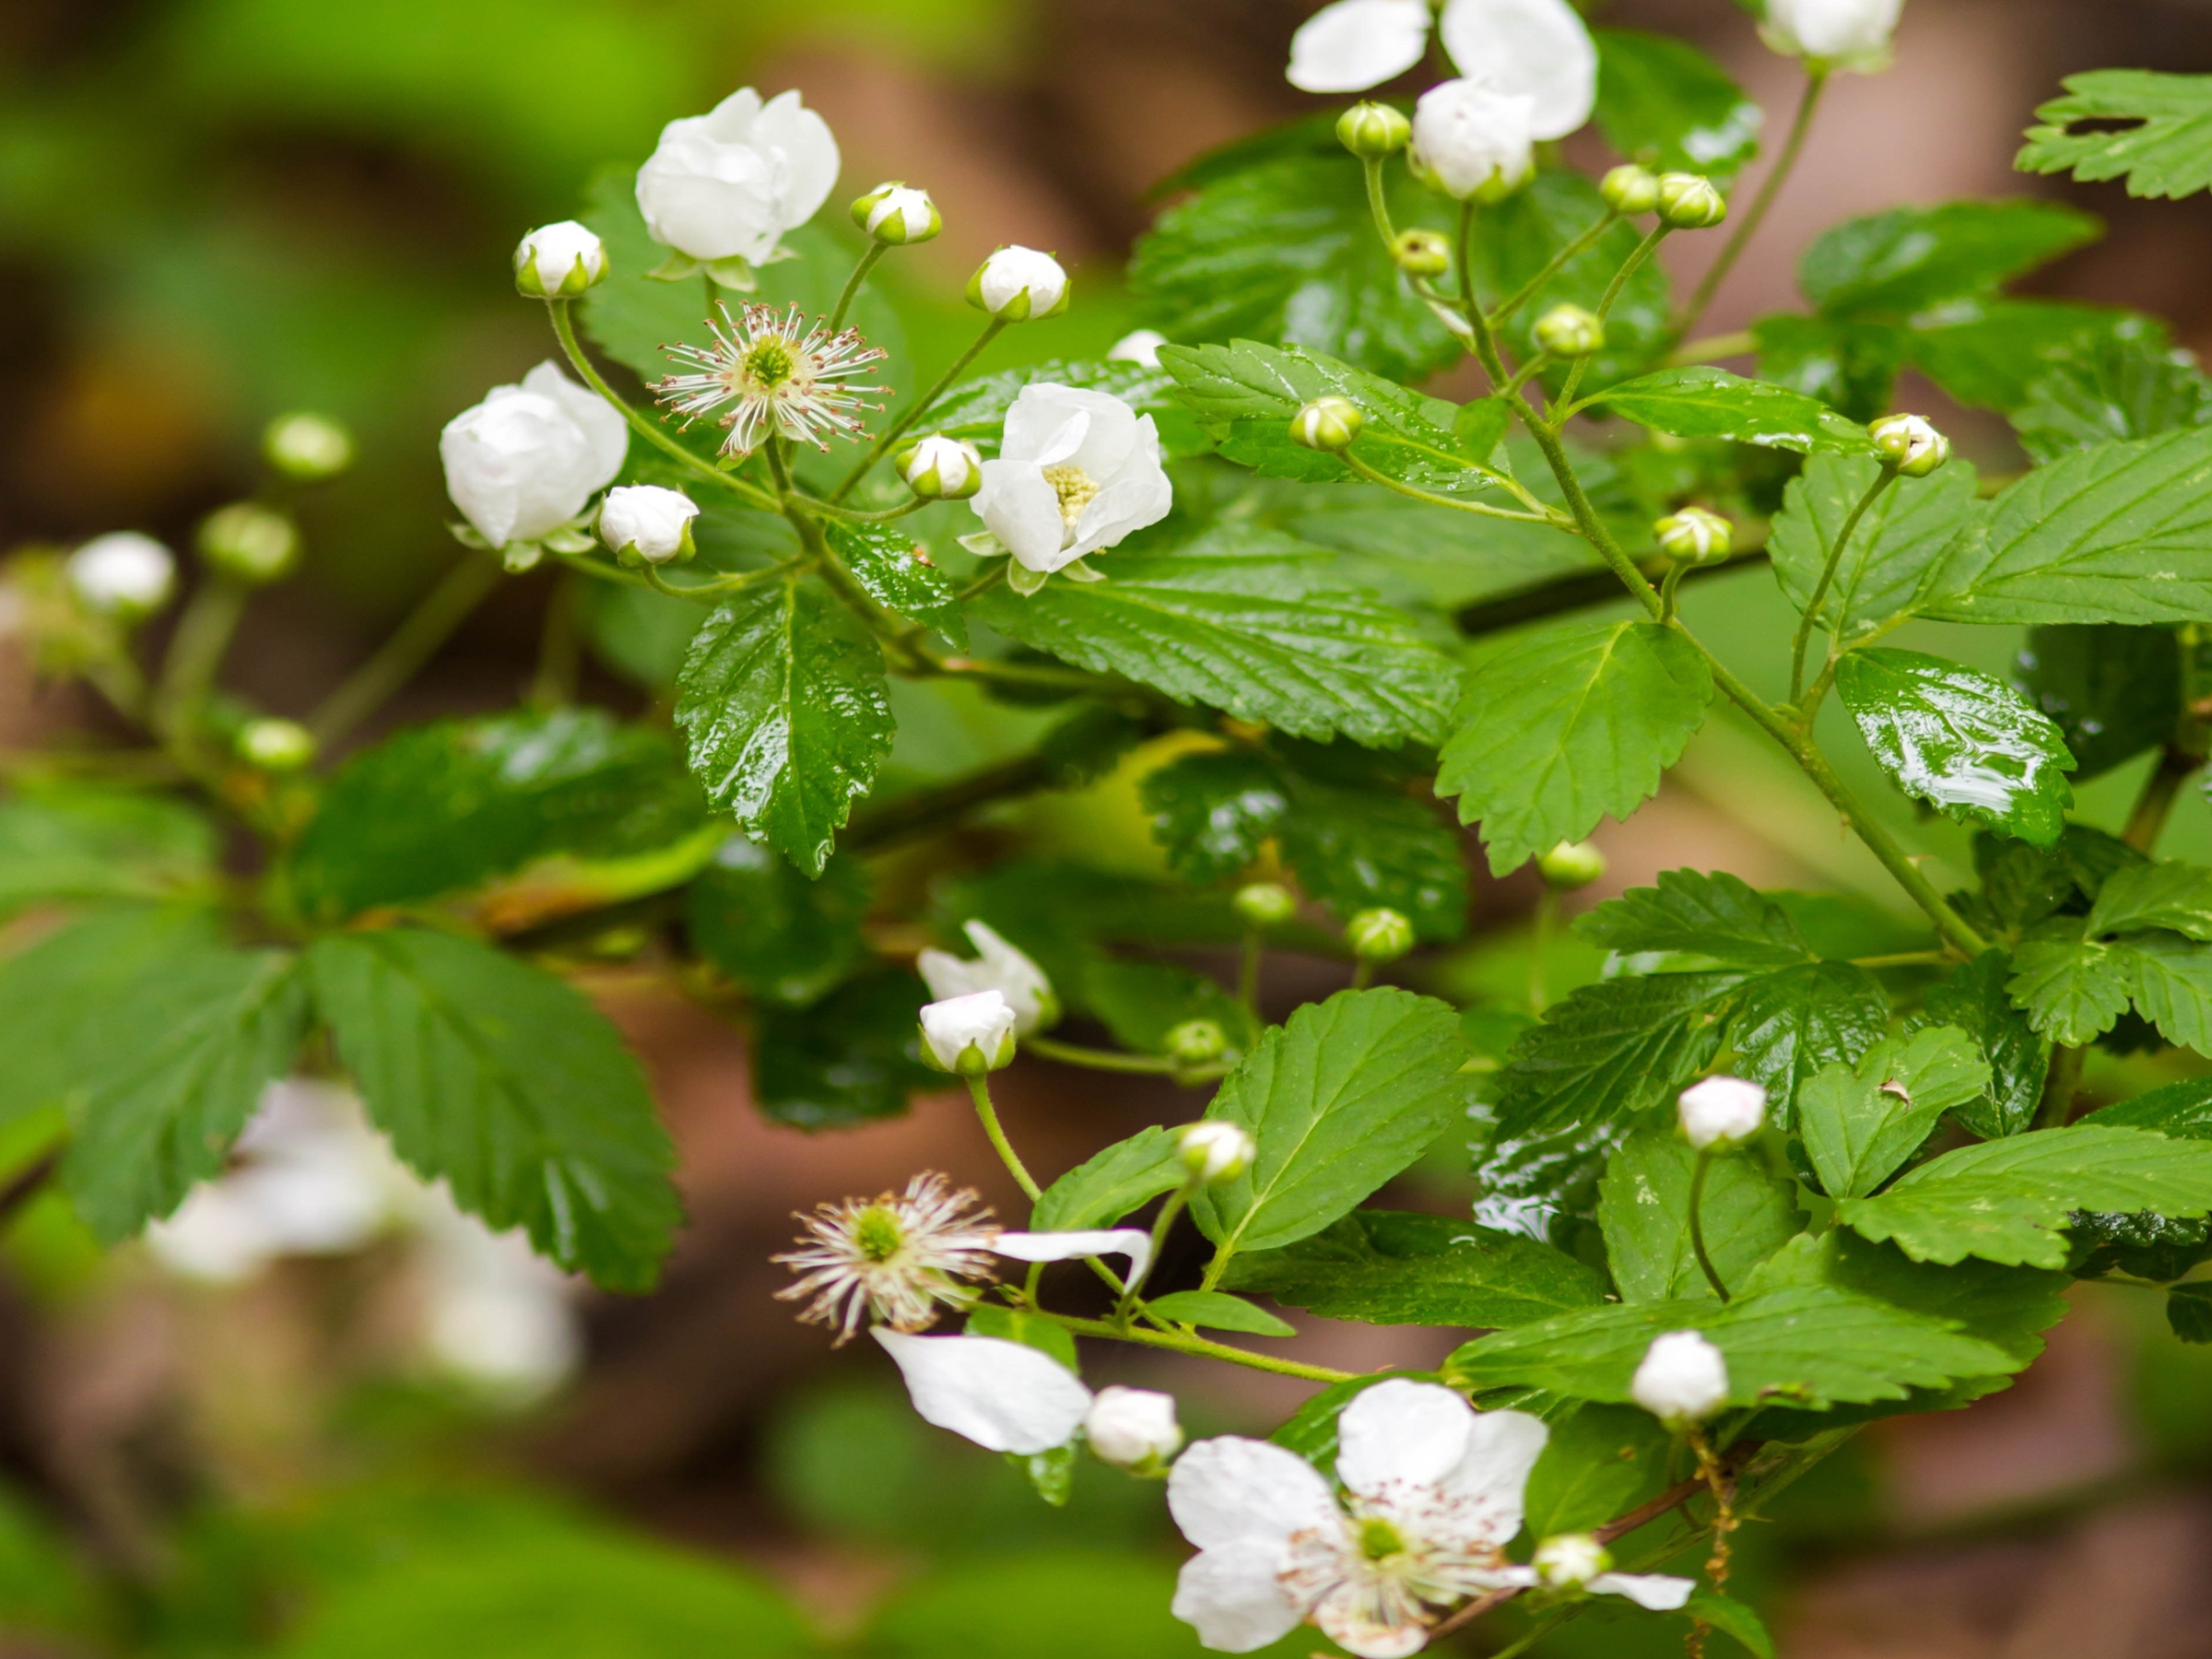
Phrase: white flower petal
{"type": "Point", "coordinates": [1046, 425]}
{"type": "Point", "coordinates": [1234, 1597]}
{"type": "Point", "coordinates": [808, 150]}
{"type": "Point", "coordinates": [1070, 1246]}
{"type": "Point", "coordinates": [1023, 511]}
{"type": "Point", "coordinates": [1502, 1447]}
{"type": "Point", "coordinates": [1011, 973]}
{"type": "Point", "coordinates": [1230, 1490]}
{"type": "Point", "coordinates": [605, 434]}
{"type": "Point", "coordinates": [1654, 1591]}
{"type": "Point", "coordinates": [1342, 1618]}
{"type": "Point", "coordinates": [1401, 1430]}
{"type": "Point", "coordinates": [1535, 49]}
{"type": "Point", "coordinates": [1355, 44]}
{"type": "Point", "coordinates": [1002, 1395]}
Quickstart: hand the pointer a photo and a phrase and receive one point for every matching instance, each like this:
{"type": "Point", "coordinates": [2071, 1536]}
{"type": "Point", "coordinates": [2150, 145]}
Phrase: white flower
{"type": "Point", "coordinates": [728, 184]}
{"type": "Point", "coordinates": [971, 1033]}
{"type": "Point", "coordinates": [1005, 1396]}
{"type": "Point", "coordinates": [1128, 1242]}
{"type": "Point", "coordinates": [1683, 1379]}
{"type": "Point", "coordinates": [1076, 472]}
{"type": "Point", "coordinates": [895, 1258]}
{"type": "Point", "coordinates": [1473, 143]}
{"type": "Point", "coordinates": [1140, 346]}
{"type": "Point", "coordinates": [1215, 1150]}
{"type": "Point", "coordinates": [1018, 285]}
{"type": "Point", "coordinates": [1535, 49]}
{"type": "Point", "coordinates": [1433, 1495]}
{"type": "Point", "coordinates": [652, 522]}
{"type": "Point", "coordinates": [1133, 1427]}
{"type": "Point", "coordinates": [558, 260]}
{"type": "Point", "coordinates": [779, 373]}
{"type": "Point", "coordinates": [999, 967]}
{"type": "Point", "coordinates": [1852, 34]}
{"type": "Point", "coordinates": [525, 460]}
{"type": "Point", "coordinates": [1578, 1561]}
{"type": "Point", "coordinates": [123, 573]}
{"type": "Point", "coordinates": [1720, 1113]}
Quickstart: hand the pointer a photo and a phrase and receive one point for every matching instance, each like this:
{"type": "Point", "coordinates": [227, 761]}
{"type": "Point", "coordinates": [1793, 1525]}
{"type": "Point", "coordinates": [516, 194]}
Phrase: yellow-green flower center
{"type": "Point", "coordinates": [769, 364]}
{"type": "Point", "coordinates": [1076, 489]}
{"type": "Point", "coordinates": [877, 1233]}
{"type": "Point", "coordinates": [1378, 1539]}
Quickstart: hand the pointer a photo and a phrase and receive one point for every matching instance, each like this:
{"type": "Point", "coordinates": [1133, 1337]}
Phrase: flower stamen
{"type": "Point", "coordinates": [778, 374]}
{"type": "Point", "coordinates": [897, 1258]}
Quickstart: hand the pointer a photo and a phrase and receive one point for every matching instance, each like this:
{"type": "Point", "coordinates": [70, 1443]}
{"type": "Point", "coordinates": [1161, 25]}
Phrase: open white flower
{"type": "Point", "coordinates": [729, 183]}
{"type": "Point", "coordinates": [778, 372]}
{"type": "Point", "coordinates": [1076, 472]}
{"type": "Point", "coordinates": [1433, 1495]}
{"type": "Point", "coordinates": [525, 460]}
{"type": "Point", "coordinates": [999, 967]}
{"type": "Point", "coordinates": [1849, 34]}
{"type": "Point", "coordinates": [1535, 49]}
{"type": "Point", "coordinates": [897, 1258]}
{"type": "Point", "coordinates": [1005, 1397]}
{"type": "Point", "coordinates": [1472, 141]}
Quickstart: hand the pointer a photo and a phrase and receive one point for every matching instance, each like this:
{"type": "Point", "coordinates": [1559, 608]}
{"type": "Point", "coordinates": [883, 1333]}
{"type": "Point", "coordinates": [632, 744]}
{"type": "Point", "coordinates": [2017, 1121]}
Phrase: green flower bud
{"type": "Point", "coordinates": [1570, 864]}
{"type": "Point", "coordinates": [1198, 1042]}
{"type": "Point", "coordinates": [941, 469]}
{"type": "Point", "coordinates": [250, 543]}
{"type": "Point", "coordinates": [1379, 936]}
{"type": "Point", "coordinates": [1569, 331]}
{"type": "Point", "coordinates": [898, 215]}
{"type": "Point", "coordinates": [1910, 444]}
{"type": "Point", "coordinates": [1690, 201]}
{"type": "Point", "coordinates": [276, 745]}
{"type": "Point", "coordinates": [307, 447]}
{"type": "Point", "coordinates": [1328, 424]}
{"type": "Point", "coordinates": [1266, 903]}
{"type": "Point", "coordinates": [1630, 189]}
{"type": "Point", "coordinates": [1372, 131]}
{"type": "Point", "coordinates": [1422, 252]}
{"type": "Point", "coordinates": [1695, 536]}
{"type": "Point", "coordinates": [1215, 1150]}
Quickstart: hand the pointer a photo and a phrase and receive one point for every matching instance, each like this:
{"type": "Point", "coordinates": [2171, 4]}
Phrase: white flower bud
{"type": "Point", "coordinates": [277, 746]}
{"type": "Point", "coordinates": [1019, 284]}
{"type": "Point", "coordinates": [1695, 536]}
{"type": "Point", "coordinates": [969, 1034]}
{"type": "Point", "coordinates": [1690, 201]}
{"type": "Point", "coordinates": [1133, 1429]}
{"type": "Point", "coordinates": [1569, 331]}
{"type": "Point", "coordinates": [1471, 143]}
{"type": "Point", "coordinates": [559, 262]}
{"type": "Point", "coordinates": [1682, 1380]}
{"type": "Point", "coordinates": [1852, 34]}
{"type": "Point", "coordinates": [1379, 935]}
{"type": "Point", "coordinates": [1266, 903]}
{"type": "Point", "coordinates": [1373, 130]}
{"type": "Point", "coordinates": [898, 215]}
{"type": "Point", "coordinates": [729, 183]}
{"type": "Point", "coordinates": [249, 542]}
{"type": "Point", "coordinates": [1422, 252]}
{"type": "Point", "coordinates": [307, 447]}
{"type": "Point", "coordinates": [1570, 865]}
{"type": "Point", "coordinates": [1215, 1150]}
{"type": "Point", "coordinates": [1719, 1113]}
{"type": "Point", "coordinates": [1630, 189]}
{"type": "Point", "coordinates": [942, 469]}
{"type": "Point", "coordinates": [1910, 444]}
{"type": "Point", "coordinates": [1328, 424]}
{"type": "Point", "coordinates": [646, 521]}
{"type": "Point", "coordinates": [1138, 345]}
{"type": "Point", "coordinates": [1569, 1561]}
{"type": "Point", "coordinates": [1198, 1042]}
{"type": "Point", "coordinates": [123, 574]}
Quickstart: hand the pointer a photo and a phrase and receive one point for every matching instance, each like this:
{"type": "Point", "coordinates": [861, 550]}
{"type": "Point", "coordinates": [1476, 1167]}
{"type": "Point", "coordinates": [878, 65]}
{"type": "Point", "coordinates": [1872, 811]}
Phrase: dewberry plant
{"type": "Point", "coordinates": [1789, 1166]}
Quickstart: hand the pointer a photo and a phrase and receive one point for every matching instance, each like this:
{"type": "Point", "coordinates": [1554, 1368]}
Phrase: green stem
{"type": "Point", "coordinates": [2060, 1084]}
{"type": "Point", "coordinates": [196, 650]}
{"type": "Point", "coordinates": [1714, 348]}
{"type": "Point", "coordinates": [1670, 589]}
{"type": "Point", "coordinates": [925, 809]}
{"type": "Point", "coordinates": [1378, 201]}
{"type": "Point", "coordinates": [564, 327]}
{"type": "Point", "coordinates": [1629, 267]}
{"type": "Point", "coordinates": [1108, 1060]}
{"type": "Point", "coordinates": [561, 645]}
{"type": "Point", "coordinates": [410, 645]}
{"type": "Point", "coordinates": [1172, 1208]}
{"type": "Point", "coordinates": [1363, 974]}
{"type": "Point", "coordinates": [1828, 578]}
{"type": "Point", "coordinates": [1548, 914]}
{"type": "Point", "coordinates": [1528, 371]}
{"type": "Point", "coordinates": [979, 1090]}
{"type": "Point", "coordinates": [1697, 1224]}
{"type": "Point", "coordinates": [1815, 82]}
{"type": "Point", "coordinates": [853, 515]}
{"type": "Point", "coordinates": [859, 274]}
{"type": "Point", "coordinates": [1560, 261]}
{"type": "Point", "coordinates": [707, 592]}
{"type": "Point", "coordinates": [1177, 1343]}
{"type": "Point", "coordinates": [2147, 822]}
{"type": "Point", "coordinates": [1482, 508]}
{"type": "Point", "coordinates": [919, 407]}
{"type": "Point", "coordinates": [1248, 972]}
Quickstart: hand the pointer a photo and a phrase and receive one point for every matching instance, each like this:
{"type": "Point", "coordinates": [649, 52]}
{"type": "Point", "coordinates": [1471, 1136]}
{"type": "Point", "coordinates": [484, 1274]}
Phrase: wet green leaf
{"type": "Point", "coordinates": [1884, 571]}
{"type": "Point", "coordinates": [1859, 1125]}
{"type": "Point", "coordinates": [1643, 1206]}
{"type": "Point", "coordinates": [1791, 1024]}
{"type": "Point", "coordinates": [2112, 689]}
{"type": "Point", "coordinates": [1975, 1000]}
{"type": "Point", "coordinates": [893, 570]}
{"type": "Point", "coordinates": [1615, 1048]}
{"type": "Point", "coordinates": [851, 1058]}
{"type": "Point", "coordinates": [1712, 403]}
{"type": "Point", "coordinates": [1665, 103]}
{"type": "Point", "coordinates": [1706, 914]}
{"type": "Point", "coordinates": [1894, 265]}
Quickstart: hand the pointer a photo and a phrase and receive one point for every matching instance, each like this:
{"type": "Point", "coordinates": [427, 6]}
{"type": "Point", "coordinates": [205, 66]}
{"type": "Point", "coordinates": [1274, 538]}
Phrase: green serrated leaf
{"type": "Point", "coordinates": [1339, 1099]}
{"type": "Point", "coordinates": [2007, 1201]}
{"type": "Point", "coordinates": [2153, 130]}
{"type": "Point", "coordinates": [1974, 999]}
{"type": "Point", "coordinates": [1217, 1311]}
{"type": "Point", "coordinates": [2170, 895]}
{"type": "Point", "coordinates": [1250, 622]}
{"type": "Point", "coordinates": [73, 843]}
{"type": "Point", "coordinates": [1212, 813]}
{"type": "Point", "coordinates": [1708, 914]}
{"type": "Point", "coordinates": [1600, 1461]}
{"type": "Point", "coordinates": [1990, 353]}
{"type": "Point", "coordinates": [1643, 1206]}
{"type": "Point", "coordinates": [1962, 740]}
{"type": "Point", "coordinates": [1791, 1024]}
{"type": "Point", "coordinates": [1892, 265]}
{"type": "Point", "coordinates": [1898, 540]}
{"type": "Point", "coordinates": [1665, 105]}
{"type": "Point", "coordinates": [2072, 988]}
{"type": "Point", "coordinates": [1615, 1048]}
{"type": "Point", "coordinates": [2183, 1110]}
{"type": "Point", "coordinates": [501, 1081]}
{"type": "Point", "coordinates": [1703, 402]}
{"type": "Point", "coordinates": [1107, 1185]}
{"type": "Point", "coordinates": [893, 570]}
{"type": "Point", "coordinates": [1569, 725]}
{"type": "Point", "coordinates": [2114, 691]}
{"type": "Point", "coordinates": [1732, 1618]}
{"type": "Point", "coordinates": [1859, 1125]}
{"type": "Point", "coordinates": [782, 698]}
{"type": "Point", "coordinates": [2171, 978]}
{"type": "Point", "coordinates": [1851, 367]}
{"type": "Point", "coordinates": [851, 1058]}
{"type": "Point", "coordinates": [2130, 382]}
{"type": "Point", "coordinates": [1394, 1267]}
{"type": "Point", "coordinates": [976, 410]}
{"type": "Point", "coordinates": [2189, 1312]}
